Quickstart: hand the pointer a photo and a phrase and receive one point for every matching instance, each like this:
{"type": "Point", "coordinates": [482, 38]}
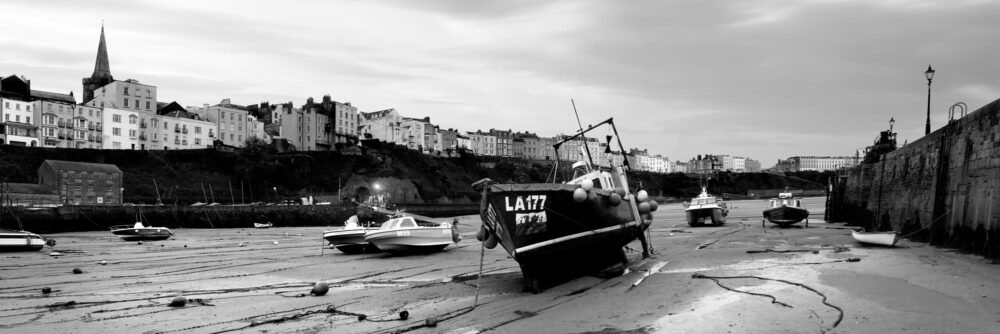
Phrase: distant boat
{"type": "Point", "coordinates": [887, 239]}
{"type": "Point", "coordinates": [560, 231]}
{"type": "Point", "coordinates": [405, 235]}
{"type": "Point", "coordinates": [15, 241]}
{"type": "Point", "coordinates": [706, 209]}
{"type": "Point", "coordinates": [263, 225]}
{"type": "Point", "coordinates": [139, 232]}
{"type": "Point", "coordinates": [786, 210]}
{"type": "Point", "coordinates": [351, 239]}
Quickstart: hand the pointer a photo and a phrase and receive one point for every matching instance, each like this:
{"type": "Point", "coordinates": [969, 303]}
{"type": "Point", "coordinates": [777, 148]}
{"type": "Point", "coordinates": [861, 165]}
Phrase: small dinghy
{"type": "Point", "coordinates": [263, 225]}
{"type": "Point", "coordinates": [16, 241]}
{"type": "Point", "coordinates": [887, 239]}
{"type": "Point", "coordinates": [140, 232]}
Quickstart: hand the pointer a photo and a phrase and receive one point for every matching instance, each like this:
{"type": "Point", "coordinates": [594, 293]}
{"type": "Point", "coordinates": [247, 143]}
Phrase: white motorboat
{"type": "Point", "coordinates": [405, 235]}
{"type": "Point", "coordinates": [140, 232]}
{"type": "Point", "coordinates": [351, 239]}
{"type": "Point", "coordinates": [706, 209]}
{"type": "Point", "coordinates": [13, 241]}
{"type": "Point", "coordinates": [887, 239]}
{"type": "Point", "coordinates": [263, 225]}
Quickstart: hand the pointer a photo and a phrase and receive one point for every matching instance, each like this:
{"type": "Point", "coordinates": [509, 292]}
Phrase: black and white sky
{"type": "Point", "coordinates": [757, 78]}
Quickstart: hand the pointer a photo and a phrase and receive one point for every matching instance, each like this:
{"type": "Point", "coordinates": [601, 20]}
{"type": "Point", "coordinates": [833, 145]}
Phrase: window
{"type": "Point", "coordinates": [137, 103]}
{"type": "Point", "coordinates": [148, 94]}
{"type": "Point", "coordinates": [17, 106]}
{"type": "Point", "coordinates": [116, 118]}
{"type": "Point", "coordinates": [197, 141]}
{"type": "Point", "coordinates": [116, 131]}
{"type": "Point", "coordinates": [131, 133]}
{"type": "Point", "coordinates": [126, 102]}
{"type": "Point", "coordinates": [223, 115]}
{"type": "Point", "coordinates": [27, 108]}
{"type": "Point", "coordinates": [197, 130]}
{"type": "Point", "coordinates": [102, 106]}
{"type": "Point", "coordinates": [27, 119]}
{"type": "Point", "coordinates": [6, 105]}
{"type": "Point", "coordinates": [147, 105]}
{"type": "Point", "coordinates": [132, 119]}
{"type": "Point", "coordinates": [116, 145]}
{"type": "Point", "coordinates": [17, 118]}
{"type": "Point", "coordinates": [91, 112]}
{"type": "Point", "coordinates": [126, 92]}
{"type": "Point", "coordinates": [81, 123]}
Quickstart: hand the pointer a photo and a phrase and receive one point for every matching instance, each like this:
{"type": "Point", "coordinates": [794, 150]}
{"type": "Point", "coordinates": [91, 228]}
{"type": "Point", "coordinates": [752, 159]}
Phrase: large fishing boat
{"type": "Point", "coordinates": [14, 241]}
{"type": "Point", "coordinates": [557, 231]}
{"type": "Point", "coordinates": [786, 210]}
{"type": "Point", "coordinates": [706, 209]}
{"type": "Point", "coordinates": [351, 238]}
{"type": "Point", "coordinates": [139, 232]}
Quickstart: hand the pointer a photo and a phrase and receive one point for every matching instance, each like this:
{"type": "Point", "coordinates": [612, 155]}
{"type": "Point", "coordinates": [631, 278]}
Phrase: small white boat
{"type": "Point", "coordinates": [14, 241]}
{"type": "Point", "coordinates": [351, 239]}
{"type": "Point", "coordinates": [887, 239]}
{"type": "Point", "coordinates": [140, 232]}
{"type": "Point", "coordinates": [706, 209]}
{"type": "Point", "coordinates": [263, 225]}
{"type": "Point", "coordinates": [405, 235]}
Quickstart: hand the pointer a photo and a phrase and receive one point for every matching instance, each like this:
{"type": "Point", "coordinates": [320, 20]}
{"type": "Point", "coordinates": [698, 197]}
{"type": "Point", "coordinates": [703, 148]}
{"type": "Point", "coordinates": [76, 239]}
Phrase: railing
{"type": "Point", "coordinates": [62, 124]}
{"type": "Point", "coordinates": [90, 127]}
{"type": "Point", "coordinates": [155, 139]}
{"type": "Point", "coordinates": [178, 130]}
{"type": "Point", "coordinates": [184, 130]}
{"type": "Point", "coordinates": [184, 142]}
{"type": "Point", "coordinates": [62, 135]}
{"type": "Point", "coordinates": [91, 138]}
{"type": "Point", "coordinates": [177, 141]}
{"type": "Point", "coordinates": [210, 135]}
{"type": "Point", "coordinates": [99, 139]}
{"type": "Point", "coordinates": [99, 128]}
{"type": "Point", "coordinates": [142, 125]}
{"type": "Point", "coordinates": [142, 137]}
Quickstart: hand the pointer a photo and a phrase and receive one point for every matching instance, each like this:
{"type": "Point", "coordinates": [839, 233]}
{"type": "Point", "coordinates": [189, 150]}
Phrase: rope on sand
{"type": "Point", "coordinates": [840, 314]}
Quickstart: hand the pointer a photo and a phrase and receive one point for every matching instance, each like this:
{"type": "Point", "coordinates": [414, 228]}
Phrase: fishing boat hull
{"type": "Point", "coordinates": [18, 241]}
{"type": "Point", "coordinates": [142, 234]}
{"type": "Point", "coordinates": [262, 225]}
{"type": "Point", "coordinates": [786, 215]}
{"type": "Point", "coordinates": [411, 240]}
{"type": "Point", "coordinates": [887, 239]}
{"type": "Point", "coordinates": [350, 241]}
{"type": "Point", "coordinates": [553, 237]}
{"type": "Point", "coordinates": [701, 216]}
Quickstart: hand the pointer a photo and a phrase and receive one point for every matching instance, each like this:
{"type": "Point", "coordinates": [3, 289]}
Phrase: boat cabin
{"type": "Point", "coordinates": [702, 200]}
{"type": "Point", "coordinates": [398, 223]}
{"type": "Point", "coordinates": [601, 179]}
{"type": "Point", "coordinates": [785, 202]}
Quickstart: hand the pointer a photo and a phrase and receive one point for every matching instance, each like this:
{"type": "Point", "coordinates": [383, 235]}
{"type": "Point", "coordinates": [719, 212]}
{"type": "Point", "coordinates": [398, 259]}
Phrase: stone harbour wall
{"type": "Point", "coordinates": [942, 188]}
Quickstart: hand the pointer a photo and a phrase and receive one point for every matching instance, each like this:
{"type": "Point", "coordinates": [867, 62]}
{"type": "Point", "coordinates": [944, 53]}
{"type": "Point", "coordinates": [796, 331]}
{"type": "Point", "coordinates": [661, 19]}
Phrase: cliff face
{"type": "Point", "coordinates": [405, 176]}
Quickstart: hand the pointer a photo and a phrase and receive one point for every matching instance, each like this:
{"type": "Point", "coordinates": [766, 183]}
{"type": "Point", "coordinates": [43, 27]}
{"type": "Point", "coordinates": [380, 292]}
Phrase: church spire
{"type": "Point", "coordinates": [102, 67]}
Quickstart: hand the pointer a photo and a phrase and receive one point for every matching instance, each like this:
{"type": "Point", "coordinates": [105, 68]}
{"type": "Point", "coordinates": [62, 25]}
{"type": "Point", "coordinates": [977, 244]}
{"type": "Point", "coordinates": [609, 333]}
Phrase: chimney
{"type": "Point", "coordinates": [225, 101]}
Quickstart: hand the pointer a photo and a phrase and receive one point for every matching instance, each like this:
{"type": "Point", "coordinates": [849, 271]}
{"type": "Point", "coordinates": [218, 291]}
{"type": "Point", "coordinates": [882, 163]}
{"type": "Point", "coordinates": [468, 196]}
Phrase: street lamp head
{"type": "Point", "coordinates": [892, 121]}
{"type": "Point", "coordinates": [378, 186]}
{"type": "Point", "coordinates": [929, 73]}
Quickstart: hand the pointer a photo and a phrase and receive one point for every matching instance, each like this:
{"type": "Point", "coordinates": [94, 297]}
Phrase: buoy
{"type": "Point", "coordinates": [362, 317]}
{"type": "Point", "coordinates": [185, 246]}
{"type": "Point", "coordinates": [653, 205]}
{"type": "Point", "coordinates": [46, 290]}
{"type": "Point", "coordinates": [615, 199]}
{"type": "Point", "coordinates": [491, 241]}
{"type": "Point", "coordinates": [642, 196]}
{"type": "Point", "coordinates": [77, 271]}
{"type": "Point", "coordinates": [404, 315]}
{"type": "Point", "coordinates": [321, 288]}
{"type": "Point", "coordinates": [591, 196]}
{"type": "Point", "coordinates": [579, 195]}
{"type": "Point", "coordinates": [431, 322]}
{"type": "Point", "coordinates": [644, 207]}
{"type": "Point", "coordinates": [587, 185]}
{"type": "Point", "coordinates": [178, 301]}
{"type": "Point", "coordinates": [140, 242]}
{"type": "Point", "coordinates": [481, 235]}
{"type": "Point", "coordinates": [620, 192]}
{"type": "Point", "coordinates": [103, 262]}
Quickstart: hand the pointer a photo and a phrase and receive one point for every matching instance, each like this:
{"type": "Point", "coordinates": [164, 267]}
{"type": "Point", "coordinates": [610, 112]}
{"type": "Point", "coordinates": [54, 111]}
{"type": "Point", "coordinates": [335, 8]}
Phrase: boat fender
{"type": "Point", "coordinates": [615, 199]}
{"type": "Point", "coordinates": [403, 315]}
{"type": "Point", "coordinates": [644, 207]}
{"type": "Point", "coordinates": [50, 242]}
{"type": "Point", "coordinates": [319, 289]}
{"type": "Point", "coordinates": [653, 205]}
{"type": "Point", "coordinates": [591, 196]}
{"type": "Point", "coordinates": [481, 235]}
{"type": "Point", "coordinates": [454, 232]}
{"type": "Point", "coordinates": [587, 184]}
{"type": "Point", "coordinates": [620, 192]}
{"type": "Point", "coordinates": [642, 196]}
{"type": "Point", "coordinates": [579, 195]}
{"type": "Point", "coordinates": [491, 242]}
{"type": "Point", "coordinates": [647, 219]}
{"type": "Point", "coordinates": [178, 301]}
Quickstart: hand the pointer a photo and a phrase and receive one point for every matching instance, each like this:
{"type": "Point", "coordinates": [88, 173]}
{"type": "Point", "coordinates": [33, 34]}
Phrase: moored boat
{"type": "Point", "coordinates": [15, 241]}
{"type": "Point", "coordinates": [140, 232]}
{"type": "Point", "coordinates": [887, 239]}
{"type": "Point", "coordinates": [263, 225]}
{"type": "Point", "coordinates": [786, 210]}
{"type": "Point", "coordinates": [405, 235]}
{"type": "Point", "coordinates": [706, 209]}
{"type": "Point", "coordinates": [559, 231]}
{"type": "Point", "coordinates": [351, 239]}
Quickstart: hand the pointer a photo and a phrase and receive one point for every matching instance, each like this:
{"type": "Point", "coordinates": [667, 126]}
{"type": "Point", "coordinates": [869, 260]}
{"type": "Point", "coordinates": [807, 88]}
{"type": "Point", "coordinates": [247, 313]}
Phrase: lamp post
{"type": "Point", "coordinates": [121, 195]}
{"type": "Point", "coordinates": [930, 76]}
{"type": "Point", "coordinates": [377, 200]}
{"type": "Point", "coordinates": [275, 194]}
{"type": "Point", "coordinates": [892, 121]}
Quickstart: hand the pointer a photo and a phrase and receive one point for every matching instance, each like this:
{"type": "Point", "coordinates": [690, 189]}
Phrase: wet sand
{"type": "Point", "coordinates": [263, 287]}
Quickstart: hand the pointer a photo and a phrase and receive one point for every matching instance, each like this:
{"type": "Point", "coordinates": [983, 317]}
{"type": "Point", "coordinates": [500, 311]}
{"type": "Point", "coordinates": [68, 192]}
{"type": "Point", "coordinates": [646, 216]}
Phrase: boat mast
{"type": "Point", "coordinates": [583, 139]}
